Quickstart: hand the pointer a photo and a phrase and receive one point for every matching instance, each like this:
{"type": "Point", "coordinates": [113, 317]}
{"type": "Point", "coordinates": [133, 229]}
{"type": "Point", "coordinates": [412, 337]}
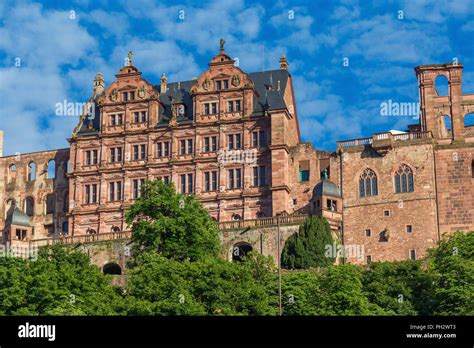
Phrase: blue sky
{"type": "Point", "coordinates": [49, 54]}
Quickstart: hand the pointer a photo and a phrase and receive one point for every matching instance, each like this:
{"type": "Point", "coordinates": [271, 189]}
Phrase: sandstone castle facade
{"type": "Point", "coordinates": [232, 138]}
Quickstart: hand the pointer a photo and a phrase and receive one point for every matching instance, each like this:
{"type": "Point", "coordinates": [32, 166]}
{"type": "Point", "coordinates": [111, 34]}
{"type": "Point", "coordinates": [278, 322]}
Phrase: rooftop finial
{"type": "Point", "coordinates": [283, 62]}
{"type": "Point", "coordinates": [222, 43]}
{"type": "Point", "coordinates": [129, 57]}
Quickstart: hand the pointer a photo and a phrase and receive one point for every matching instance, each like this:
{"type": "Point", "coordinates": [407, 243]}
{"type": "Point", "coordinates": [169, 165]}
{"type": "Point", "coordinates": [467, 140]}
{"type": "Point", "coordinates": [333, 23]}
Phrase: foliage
{"type": "Point", "coordinates": [160, 286]}
{"type": "Point", "coordinates": [175, 225]}
{"type": "Point", "coordinates": [452, 264]}
{"type": "Point", "coordinates": [59, 282]}
{"type": "Point", "coordinates": [400, 288]}
{"type": "Point", "coordinates": [307, 248]}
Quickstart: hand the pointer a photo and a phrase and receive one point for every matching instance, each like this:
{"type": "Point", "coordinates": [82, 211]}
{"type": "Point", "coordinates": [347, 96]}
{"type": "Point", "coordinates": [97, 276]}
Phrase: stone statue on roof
{"type": "Point", "coordinates": [222, 43]}
{"type": "Point", "coordinates": [129, 56]}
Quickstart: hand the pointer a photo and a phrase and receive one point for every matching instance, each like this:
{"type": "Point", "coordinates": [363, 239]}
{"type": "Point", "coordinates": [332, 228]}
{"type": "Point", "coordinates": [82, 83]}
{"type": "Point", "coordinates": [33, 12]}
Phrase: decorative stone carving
{"type": "Point", "coordinates": [113, 95]}
{"type": "Point", "coordinates": [142, 92]}
{"type": "Point", "coordinates": [206, 84]}
{"type": "Point", "coordinates": [235, 80]}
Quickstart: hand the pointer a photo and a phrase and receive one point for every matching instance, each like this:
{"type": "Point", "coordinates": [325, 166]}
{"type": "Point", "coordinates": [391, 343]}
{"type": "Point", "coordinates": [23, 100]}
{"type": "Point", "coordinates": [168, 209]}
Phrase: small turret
{"type": "Point", "coordinates": [163, 84]}
{"type": "Point", "coordinates": [99, 84]}
{"type": "Point", "coordinates": [283, 62]}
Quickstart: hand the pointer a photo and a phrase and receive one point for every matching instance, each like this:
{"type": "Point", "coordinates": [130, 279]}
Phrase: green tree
{"type": "Point", "coordinates": [59, 282]}
{"type": "Point", "coordinates": [209, 286]}
{"type": "Point", "coordinates": [400, 288]}
{"type": "Point", "coordinates": [307, 248]}
{"type": "Point", "coordinates": [452, 264]}
{"type": "Point", "coordinates": [175, 225]}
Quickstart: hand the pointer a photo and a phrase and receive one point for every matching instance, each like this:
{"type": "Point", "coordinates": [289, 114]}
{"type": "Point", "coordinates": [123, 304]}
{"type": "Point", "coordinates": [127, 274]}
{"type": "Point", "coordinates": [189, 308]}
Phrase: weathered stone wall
{"type": "Point", "coordinates": [417, 208]}
{"type": "Point", "coordinates": [455, 185]}
{"type": "Point", "coordinates": [18, 183]}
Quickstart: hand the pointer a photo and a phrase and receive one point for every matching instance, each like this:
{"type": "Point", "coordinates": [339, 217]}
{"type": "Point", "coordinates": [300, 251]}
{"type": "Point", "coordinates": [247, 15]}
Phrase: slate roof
{"type": "Point", "coordinates": [17, 217]}
{"type": "Point", "coordinates": [268, 98]}
{"type": "Point", "coordinates": [326, 188]}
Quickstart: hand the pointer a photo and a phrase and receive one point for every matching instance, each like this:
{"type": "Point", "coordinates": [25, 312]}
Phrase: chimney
{"type": "Point", "coordinates": [99, 84]}
{"type": "Point", "coordinates": [283, 62]}
{"type": "Point", "coordinates": [1, 143]}
{"type": "Point", "coordinates": [163, 85]}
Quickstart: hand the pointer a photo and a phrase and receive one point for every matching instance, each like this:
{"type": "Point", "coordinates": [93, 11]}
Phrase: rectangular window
{"type": "Point", "coordinates": [136, 116]}
{"type": "Point", "coordinates": [160, 150]}
{"type": "Point", "coordinates": [214, 144]}
{"type": "Point", "coordinates": [94, 193]}
{"type": "Point", "coordinates": [214, 108]}
{"type": "Point", "coordinates": [112, 120]}
{"type": "Point", "coordinates": [412, 254]}
{"type": "Point", "coordinates": [206, 144]}
{"type": "Point", "coordinates": [112, 155]}
{"type": "Point", "coordinates": [183, 183]}
{"type": "Point", "coordinates": [190, 146]}
{"type": "Point", "coordinates": [206, 109]}
{"type": "Point", "coordinates": [255, 176]}
{"type": "Point", "coordinates": [119, 154]}
{"type": "Point", "coordinates": [94, 157]}
{"type": "Point", "coordinates": [88, 194]}
{"type": "Point", "coordinates": [386, 213]}
{"type": "Point", "coordinates": [143, 116]}
{"type": "Point", "coordinates": [230, 106]}
{"type": "Point", "coordinates": [132, 95]}
{"type": "Point", "coordinates": [135, 188]}
{"type": "Point", "coordinates": [119, 119]}
{"type": "Point", "coordinates": [142, 182]}
{"type": "Point", "coordinates": [263, 176]}
{"type": "Point", "coordinates": [231, 179]}
{"type": "Point", "coordinates": [238, 178]}
{"type": "Point", "coordinates": [226, 84]}
{"type": "Point", "coordinates": [167, 149]}
{"type": "Point", "coordinates": [190, 183]}
{"type": "Point", "coordinates": [142, 152]}
{"type": "Point", "coordinates": [166, 179]}
{"type": "Point", "coordinates": [304, 171]}
{"type": "Point", "coordinates": [218, 85]}
{"type": "Point", "coordinates": [88, 158]}
{"type": "Point", "coordinates": [409, 228]}
{"type": "Point", "coordinates": [231, 141]}
{"type": "Point", "coordinates": [237, 141]}
{"type": "Point", "coordinates": [119, 190]}
{"type": "Point", "coordinates": [255, 139]}
{"type": "Point", "coordinates": [135, 152]}
{"type": "Point", "coordinates": [125, 96]}
{"type": "Point", "coordinates": [214, 181]}
{"type": "Point", "coordinates": [368, 232]}
{"type": "Point", "coordinates": [207, 181]}
{"type": "Point", "coordinates": [183, 146]}
{"type": "Point", "coordinates": [369, 258]}
{"type": "Point", "coordinates": [237, 105]}
{"type": "Point", "coordinates": [112, 191]}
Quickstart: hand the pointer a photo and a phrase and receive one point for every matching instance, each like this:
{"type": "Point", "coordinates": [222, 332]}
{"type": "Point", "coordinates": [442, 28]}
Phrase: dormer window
{"type": "Point", "coordinates": [222, 84]}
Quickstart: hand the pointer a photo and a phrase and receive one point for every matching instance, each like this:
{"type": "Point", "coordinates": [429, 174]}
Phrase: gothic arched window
{"type": "Point", "coordinates": [368, 183]}
{"type": "Point", "coordinates": [404, 179]}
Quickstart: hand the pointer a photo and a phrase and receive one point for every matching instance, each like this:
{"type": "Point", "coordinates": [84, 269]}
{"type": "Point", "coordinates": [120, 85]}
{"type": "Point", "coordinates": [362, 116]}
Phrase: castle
{"type": "Point", "coordinates": [232, 138]}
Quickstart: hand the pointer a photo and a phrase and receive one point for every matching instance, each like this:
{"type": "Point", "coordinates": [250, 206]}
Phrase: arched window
{"type": "Point", "coordinates": [240, 250]}
{"type": "Point", "coordinates": [50, 203]}
{"type": "Point", "coordinates": [12, 171]}
{"type": "Point", "coordinates": [51, 166]}
{"type": "Point", "coordinates": [112, 268]}
{"type": "Point", "coordinates": [404, 179]}
{"type": "Point", "coordinates": [30, 206]}
{"type": "Point", "coordinates": [260, 215]}
{"type": "Point", "coordinates": [368, 183]}
{"type": "Point", "coordinates": [31, 171]}
{"type": "Point", "coordinates": [115, 228]}
{"type": "Point", "coordinates": [441, 85]}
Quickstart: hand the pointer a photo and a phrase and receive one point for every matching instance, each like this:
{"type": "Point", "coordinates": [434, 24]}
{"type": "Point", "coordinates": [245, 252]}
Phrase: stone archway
{"type": "Point", "coordinates": [112, 268]}
{"type": "Point", "coordinates": [239, 250]}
